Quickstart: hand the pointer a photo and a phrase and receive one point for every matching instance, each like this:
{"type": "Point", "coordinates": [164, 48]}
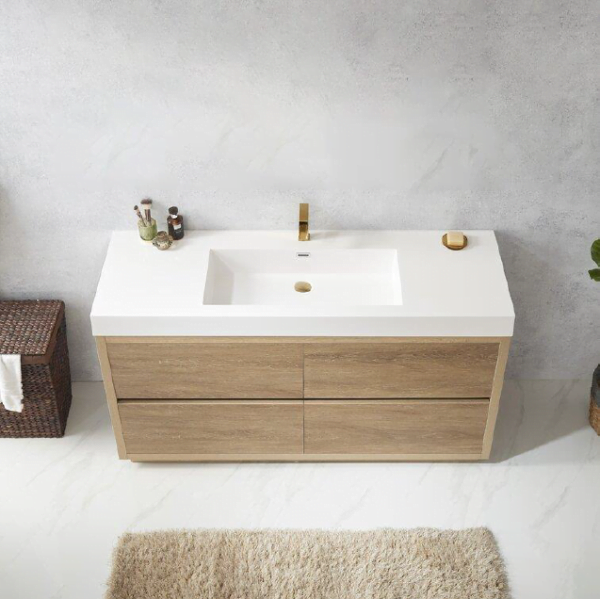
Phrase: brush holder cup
{"type": "Point", "coordinates": [148, 233]}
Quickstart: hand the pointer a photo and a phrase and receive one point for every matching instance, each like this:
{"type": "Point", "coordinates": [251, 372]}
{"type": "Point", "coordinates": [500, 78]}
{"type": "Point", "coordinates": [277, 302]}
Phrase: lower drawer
{"type": "Point", "coordinates": [211, 427]}
{"type": "Point", "coordinates": [394, 426]}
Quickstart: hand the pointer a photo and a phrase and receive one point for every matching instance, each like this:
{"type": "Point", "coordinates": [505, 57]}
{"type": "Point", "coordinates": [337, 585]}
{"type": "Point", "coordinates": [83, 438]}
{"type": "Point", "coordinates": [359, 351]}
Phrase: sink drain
{"type": "Point", "coordinates": [302, 287]}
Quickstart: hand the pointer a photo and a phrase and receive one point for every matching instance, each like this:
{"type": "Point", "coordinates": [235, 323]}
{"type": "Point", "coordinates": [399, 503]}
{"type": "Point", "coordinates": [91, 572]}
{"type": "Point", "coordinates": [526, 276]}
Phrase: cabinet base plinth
{"type": "Point", "coordinates": [305, 458]}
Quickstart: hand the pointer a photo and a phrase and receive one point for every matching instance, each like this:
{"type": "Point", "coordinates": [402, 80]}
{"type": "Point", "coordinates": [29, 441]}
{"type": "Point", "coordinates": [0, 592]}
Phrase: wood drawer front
{"type": "Point", "coordinates": [218, 427]}
{"type": "Point", "coordinates": [394, 426]}
{"type": "Point", "coordinates": [198, 371]}
{"type": "Point", "coordinates": [400, 370]}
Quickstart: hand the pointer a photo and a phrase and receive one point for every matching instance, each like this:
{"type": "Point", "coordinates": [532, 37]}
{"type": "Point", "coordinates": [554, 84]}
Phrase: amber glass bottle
{"type": "Point", "coordinates": [175, 223]}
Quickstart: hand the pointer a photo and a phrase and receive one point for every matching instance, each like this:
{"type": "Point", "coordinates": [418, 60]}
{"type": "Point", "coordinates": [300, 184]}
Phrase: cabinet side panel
{"type": "Point", "coordinates": [495, 398]}
{"type": "Point", "coordinates": [111, 396]}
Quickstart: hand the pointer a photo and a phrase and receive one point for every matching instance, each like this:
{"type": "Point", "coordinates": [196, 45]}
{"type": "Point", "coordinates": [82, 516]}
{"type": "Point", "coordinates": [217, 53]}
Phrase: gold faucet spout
{"type": "Point", "coordinates": [303, 232]}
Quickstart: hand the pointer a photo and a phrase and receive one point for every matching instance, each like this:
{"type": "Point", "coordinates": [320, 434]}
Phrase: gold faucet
{"type": "Point", "coordinates": [303, 233]}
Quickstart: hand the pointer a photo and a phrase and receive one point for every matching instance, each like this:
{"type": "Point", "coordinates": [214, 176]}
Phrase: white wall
{"type": "Point", "coordinates": [381, 114]}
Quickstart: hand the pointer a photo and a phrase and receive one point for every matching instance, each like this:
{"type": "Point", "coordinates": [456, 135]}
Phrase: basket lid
{"type": "Point", "coordinates": [27, 327]}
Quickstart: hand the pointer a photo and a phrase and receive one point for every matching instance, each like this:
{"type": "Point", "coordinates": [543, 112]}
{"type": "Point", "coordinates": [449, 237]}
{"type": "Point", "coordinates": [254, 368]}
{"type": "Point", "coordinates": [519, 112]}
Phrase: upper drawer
{"type": "Point", "coordinates": [399, 370]}
{"type": "Point", "coordinates": [206, 370]}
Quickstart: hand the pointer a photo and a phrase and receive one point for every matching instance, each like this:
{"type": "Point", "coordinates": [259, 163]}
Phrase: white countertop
{"type": "Point", "coordinates": [146, 292]}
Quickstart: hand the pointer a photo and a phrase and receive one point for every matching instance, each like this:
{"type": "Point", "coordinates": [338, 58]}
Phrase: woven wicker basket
{"type": "Point", "coordinates": [37, 330]}
{"type": "Point", "coordinates": [595, 401]}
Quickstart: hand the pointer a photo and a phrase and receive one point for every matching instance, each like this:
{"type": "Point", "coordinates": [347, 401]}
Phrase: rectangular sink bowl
{"type": "Point", "coordinates": [310, 278]}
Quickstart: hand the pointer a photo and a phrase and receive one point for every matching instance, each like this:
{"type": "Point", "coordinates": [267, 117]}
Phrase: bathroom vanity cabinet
{"type": "Point", "coordinates": [254, 346]}
{"type": "Point", "coordinates": [303, 399]}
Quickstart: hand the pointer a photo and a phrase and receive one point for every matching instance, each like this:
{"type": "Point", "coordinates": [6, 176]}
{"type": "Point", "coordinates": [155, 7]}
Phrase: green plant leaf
{"type": "Point", "coordinates": [595, 274]}
{"type": "Point", "coordinates": [596, 251]}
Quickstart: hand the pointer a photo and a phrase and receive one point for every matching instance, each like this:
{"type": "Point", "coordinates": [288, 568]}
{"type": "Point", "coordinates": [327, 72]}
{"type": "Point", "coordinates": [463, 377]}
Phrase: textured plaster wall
{"type": "Point", "coordinates": [381, 114]}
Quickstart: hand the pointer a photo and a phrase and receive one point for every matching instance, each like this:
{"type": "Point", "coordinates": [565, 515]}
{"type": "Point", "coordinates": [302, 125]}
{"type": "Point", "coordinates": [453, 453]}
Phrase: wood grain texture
{"type": "Point", "coordinates": [220, 427]}
{"type": "Point", "coordinates": [243, 373]}
{"type": "Point", "coordinates": [495, 397]}
{"type": "Point", "coordinates": [395, 426]}
{"type": "Point", "coordinates": [179, 371]}
{"type": "Point", "coordinates": [111, 397]}
{"type": "Point", "coordinates": [401, 370]}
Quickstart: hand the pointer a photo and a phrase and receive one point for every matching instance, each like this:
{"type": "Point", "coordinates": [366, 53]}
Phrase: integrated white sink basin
{"type": "Point", "coordinates": [362, 283]}
{"type": "Point", "coordinates": [271, 277]}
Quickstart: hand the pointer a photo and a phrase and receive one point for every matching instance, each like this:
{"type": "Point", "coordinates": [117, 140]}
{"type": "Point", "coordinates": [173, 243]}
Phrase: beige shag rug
{"type": "Point", "coordinates": [383, 564]}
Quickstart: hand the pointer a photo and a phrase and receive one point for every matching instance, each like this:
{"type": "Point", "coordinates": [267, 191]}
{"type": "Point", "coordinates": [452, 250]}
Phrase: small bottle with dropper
{"type": "Point", "coordinates": [175, 223]}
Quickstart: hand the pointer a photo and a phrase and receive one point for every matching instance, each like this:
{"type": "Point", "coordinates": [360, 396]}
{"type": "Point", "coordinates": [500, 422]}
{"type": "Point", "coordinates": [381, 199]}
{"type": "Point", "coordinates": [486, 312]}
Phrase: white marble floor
{"type": "Point", "coordinates": [65, 501]}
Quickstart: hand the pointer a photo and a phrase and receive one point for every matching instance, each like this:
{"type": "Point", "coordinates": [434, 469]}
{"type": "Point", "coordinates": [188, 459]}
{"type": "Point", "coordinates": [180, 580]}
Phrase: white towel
{"type": "Point", "coordinates": [11, 389]}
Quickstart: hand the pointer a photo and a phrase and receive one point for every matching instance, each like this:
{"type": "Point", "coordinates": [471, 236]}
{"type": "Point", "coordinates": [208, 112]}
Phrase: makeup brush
{"type": "Point", "coordinates": [139, 215]}
{"type": "Point", "coordinates": [147, 207]}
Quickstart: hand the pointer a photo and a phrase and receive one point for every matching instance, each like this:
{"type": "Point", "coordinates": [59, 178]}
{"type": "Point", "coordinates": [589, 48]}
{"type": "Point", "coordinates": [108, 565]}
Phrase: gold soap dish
{"type": "Point", "coordinates": [302, 287]}
{"type": "Point", "coordinates": [455, 247]}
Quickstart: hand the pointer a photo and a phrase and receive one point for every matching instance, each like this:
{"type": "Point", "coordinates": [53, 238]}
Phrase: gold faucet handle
{"type": "Point", "coordinates": [303, 233]}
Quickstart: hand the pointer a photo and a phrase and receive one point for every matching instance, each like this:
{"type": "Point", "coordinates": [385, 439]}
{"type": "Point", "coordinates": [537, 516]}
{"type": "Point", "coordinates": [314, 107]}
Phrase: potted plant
{"type": "Point", "coordinates": [595, 399]}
